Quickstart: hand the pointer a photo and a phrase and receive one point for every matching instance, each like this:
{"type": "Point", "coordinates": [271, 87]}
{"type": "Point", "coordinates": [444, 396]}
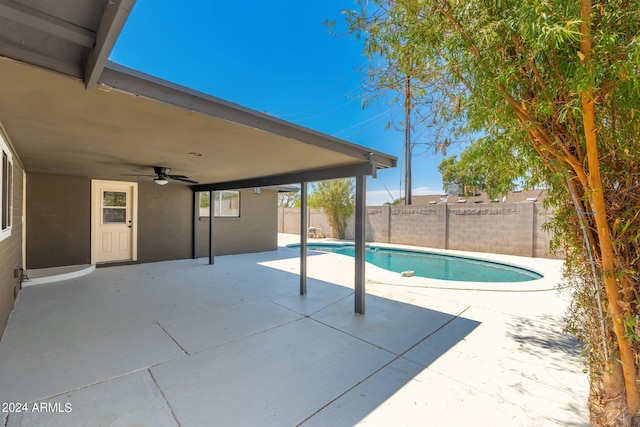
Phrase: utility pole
{"type": "Point", "coordinates": [407, 140]}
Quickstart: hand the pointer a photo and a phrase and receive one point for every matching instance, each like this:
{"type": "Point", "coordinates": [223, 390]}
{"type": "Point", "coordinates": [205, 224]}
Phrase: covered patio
{"type": "Point", "coordinates": [186, 343]}
{"type": "Point", "coordinates": [87, 133]}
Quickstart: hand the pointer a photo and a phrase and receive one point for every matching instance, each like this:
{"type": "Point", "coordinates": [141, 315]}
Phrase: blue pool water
{"type": "Point", "coordinates": [431, 265]}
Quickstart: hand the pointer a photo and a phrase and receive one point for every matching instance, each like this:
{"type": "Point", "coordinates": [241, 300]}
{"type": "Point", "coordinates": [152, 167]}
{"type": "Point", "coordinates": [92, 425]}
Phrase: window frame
{"type": "Point", "coordinates": [6, 189]}
{"type": "Point", "coordinates": [217, 208]}
{"type": "Point", "coordinates": [115, 205]}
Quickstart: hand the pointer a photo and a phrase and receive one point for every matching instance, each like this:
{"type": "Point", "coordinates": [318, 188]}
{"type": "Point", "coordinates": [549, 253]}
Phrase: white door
{"type": "Point", "coordinates": [114, 221]}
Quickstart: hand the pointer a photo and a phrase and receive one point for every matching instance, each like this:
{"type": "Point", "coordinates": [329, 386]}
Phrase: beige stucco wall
{"type": "Point", "coordinates": [11, 249]}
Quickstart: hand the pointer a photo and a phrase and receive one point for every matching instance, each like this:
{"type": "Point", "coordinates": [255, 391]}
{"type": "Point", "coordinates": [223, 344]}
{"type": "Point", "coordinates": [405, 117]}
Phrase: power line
{"type": "Point", "coordinates": [363, 122]}
{"type": "Point", "coordinates": [323, 89]}
{"type": "Point", "coordinates": [341, 97]}
{"type": "Point", "coordinates": [385, 187]}
{"type": "Point", "coordinates": [327, 112]}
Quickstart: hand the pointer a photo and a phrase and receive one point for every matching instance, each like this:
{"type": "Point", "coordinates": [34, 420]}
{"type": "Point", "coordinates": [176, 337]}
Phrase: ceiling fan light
{"type": "Point", "coordinates": [161, 181]}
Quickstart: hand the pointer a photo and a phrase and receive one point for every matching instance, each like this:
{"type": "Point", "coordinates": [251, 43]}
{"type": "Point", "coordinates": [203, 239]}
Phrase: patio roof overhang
{"type": "Point", "coordinates": [132, 122]}
{"type": "Point", "coordinates": [52, 52]}
{"type": "Point", "coordinates": [72, 37]}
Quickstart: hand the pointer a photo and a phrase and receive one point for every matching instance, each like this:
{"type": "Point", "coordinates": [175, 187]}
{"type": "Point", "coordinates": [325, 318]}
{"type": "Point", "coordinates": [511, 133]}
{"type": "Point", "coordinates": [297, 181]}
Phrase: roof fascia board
{"type": "Point", "coordinates": [113, 19]}
{"type": "Point", "coordinates": [359, 169]}
{"type": "Point", "coordinates": [134, 82]}
{"type": "Point", "coordinates": [47, 23]}
{"type": "Point", "coordinates": [285, 188]}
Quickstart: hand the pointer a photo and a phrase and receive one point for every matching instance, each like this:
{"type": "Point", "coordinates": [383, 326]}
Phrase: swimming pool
{"type": "Point", "coordinates": [432, 265]}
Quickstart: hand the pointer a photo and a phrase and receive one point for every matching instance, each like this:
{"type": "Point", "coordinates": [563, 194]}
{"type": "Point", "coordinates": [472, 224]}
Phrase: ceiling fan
{"type": "Point", "coordinates": [163, 175]}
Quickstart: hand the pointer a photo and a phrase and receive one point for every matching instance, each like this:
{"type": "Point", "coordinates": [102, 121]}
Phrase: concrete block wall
{"type": "Point", "coordinates": [253, 231]}
{"type": "Point", "coordinates": [513, 229]}
{"type": "Point", "coordinates": [500, 228]}
{"type": "Point", "coordinates": [378, 223]}
{"type": "Point", "coordinates": [318, 219]}
{"type": "Point", "coordinates": [289, 221]}
{"type": "Point", "coordinates": [542, 237]}
{"type": "Point", "coordinates": [419, 226]}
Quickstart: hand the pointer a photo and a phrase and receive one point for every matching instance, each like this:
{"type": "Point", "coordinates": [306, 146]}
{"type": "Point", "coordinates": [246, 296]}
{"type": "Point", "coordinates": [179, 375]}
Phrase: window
{"type": "Point", "coordinates": [6, 190]}
{"type": "Point", "coordinates": [226, 204]}
{"type": "Point", "coordinates": [114, 207]}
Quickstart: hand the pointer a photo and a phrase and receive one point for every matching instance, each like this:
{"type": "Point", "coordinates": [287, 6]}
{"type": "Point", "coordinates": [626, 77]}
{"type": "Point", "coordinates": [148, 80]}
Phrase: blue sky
{"type": "Point", "coordinates": [275, 57]}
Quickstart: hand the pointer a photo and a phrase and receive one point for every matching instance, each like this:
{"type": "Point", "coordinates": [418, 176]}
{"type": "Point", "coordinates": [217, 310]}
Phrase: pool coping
{"type": "Point", "coordinates": [550, 269]}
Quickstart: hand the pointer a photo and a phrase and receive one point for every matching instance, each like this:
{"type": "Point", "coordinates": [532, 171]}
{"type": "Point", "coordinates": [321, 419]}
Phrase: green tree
{"type": "Point", "coordinates": [558, 83]}
{"type": "Point", "coordinates": [337, 198]}
{"type": "Point", "coordinates": [204, 199]}
{"type": "Point", "coordinates": [488, 165]}
{"type": "Point", "coordinates": [396, 202]}
{"type": "Point", "coordinates": [451, 172]}
{"type": "Point", "coordinates": [289, 199]}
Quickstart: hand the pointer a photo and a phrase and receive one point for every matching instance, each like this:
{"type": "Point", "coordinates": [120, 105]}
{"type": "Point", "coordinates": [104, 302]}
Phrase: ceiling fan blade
{"type": "Point", "coordinates": [182, 178]}
{"type": "Point", "coordinates": [137, 175]}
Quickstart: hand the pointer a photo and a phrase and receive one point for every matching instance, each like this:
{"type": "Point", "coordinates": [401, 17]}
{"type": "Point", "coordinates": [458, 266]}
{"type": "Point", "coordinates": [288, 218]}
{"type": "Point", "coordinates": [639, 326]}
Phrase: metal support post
{"type": "Point", "coordinates": [212, 245]}
{"type": "Point", "coordinates": [196, 218]}
{"type": "Point", "coordinates": [359, 243]}
{"type": "Point", "coordinates": [303, 238]}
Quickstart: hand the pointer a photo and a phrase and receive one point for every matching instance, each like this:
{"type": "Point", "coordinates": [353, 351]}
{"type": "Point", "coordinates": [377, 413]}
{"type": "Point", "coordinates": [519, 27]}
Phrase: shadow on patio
{"type": "Point", "coordinates": [186, 343]}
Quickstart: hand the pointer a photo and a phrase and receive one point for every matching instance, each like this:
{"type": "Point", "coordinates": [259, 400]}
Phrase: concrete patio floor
{"type": "Point", "coordinates": [183, 343]}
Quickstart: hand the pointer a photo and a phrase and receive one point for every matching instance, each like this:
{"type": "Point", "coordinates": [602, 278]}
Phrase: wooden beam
{"type": "Point", "coordinates": [357, 169]}
{"type": "Point", "coordinates": [49, 24]}
{"type": "Point", "coordinates": [40, 60]}
{"type": "Point", "coordinates": [113, 19]}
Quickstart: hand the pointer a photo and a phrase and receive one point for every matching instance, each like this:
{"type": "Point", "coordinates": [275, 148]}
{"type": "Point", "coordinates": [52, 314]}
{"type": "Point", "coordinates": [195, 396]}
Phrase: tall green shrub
{"type": "Point", "coordinates": [558, 83]}
{"type": "Point", "coordinates": [337, 198]}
